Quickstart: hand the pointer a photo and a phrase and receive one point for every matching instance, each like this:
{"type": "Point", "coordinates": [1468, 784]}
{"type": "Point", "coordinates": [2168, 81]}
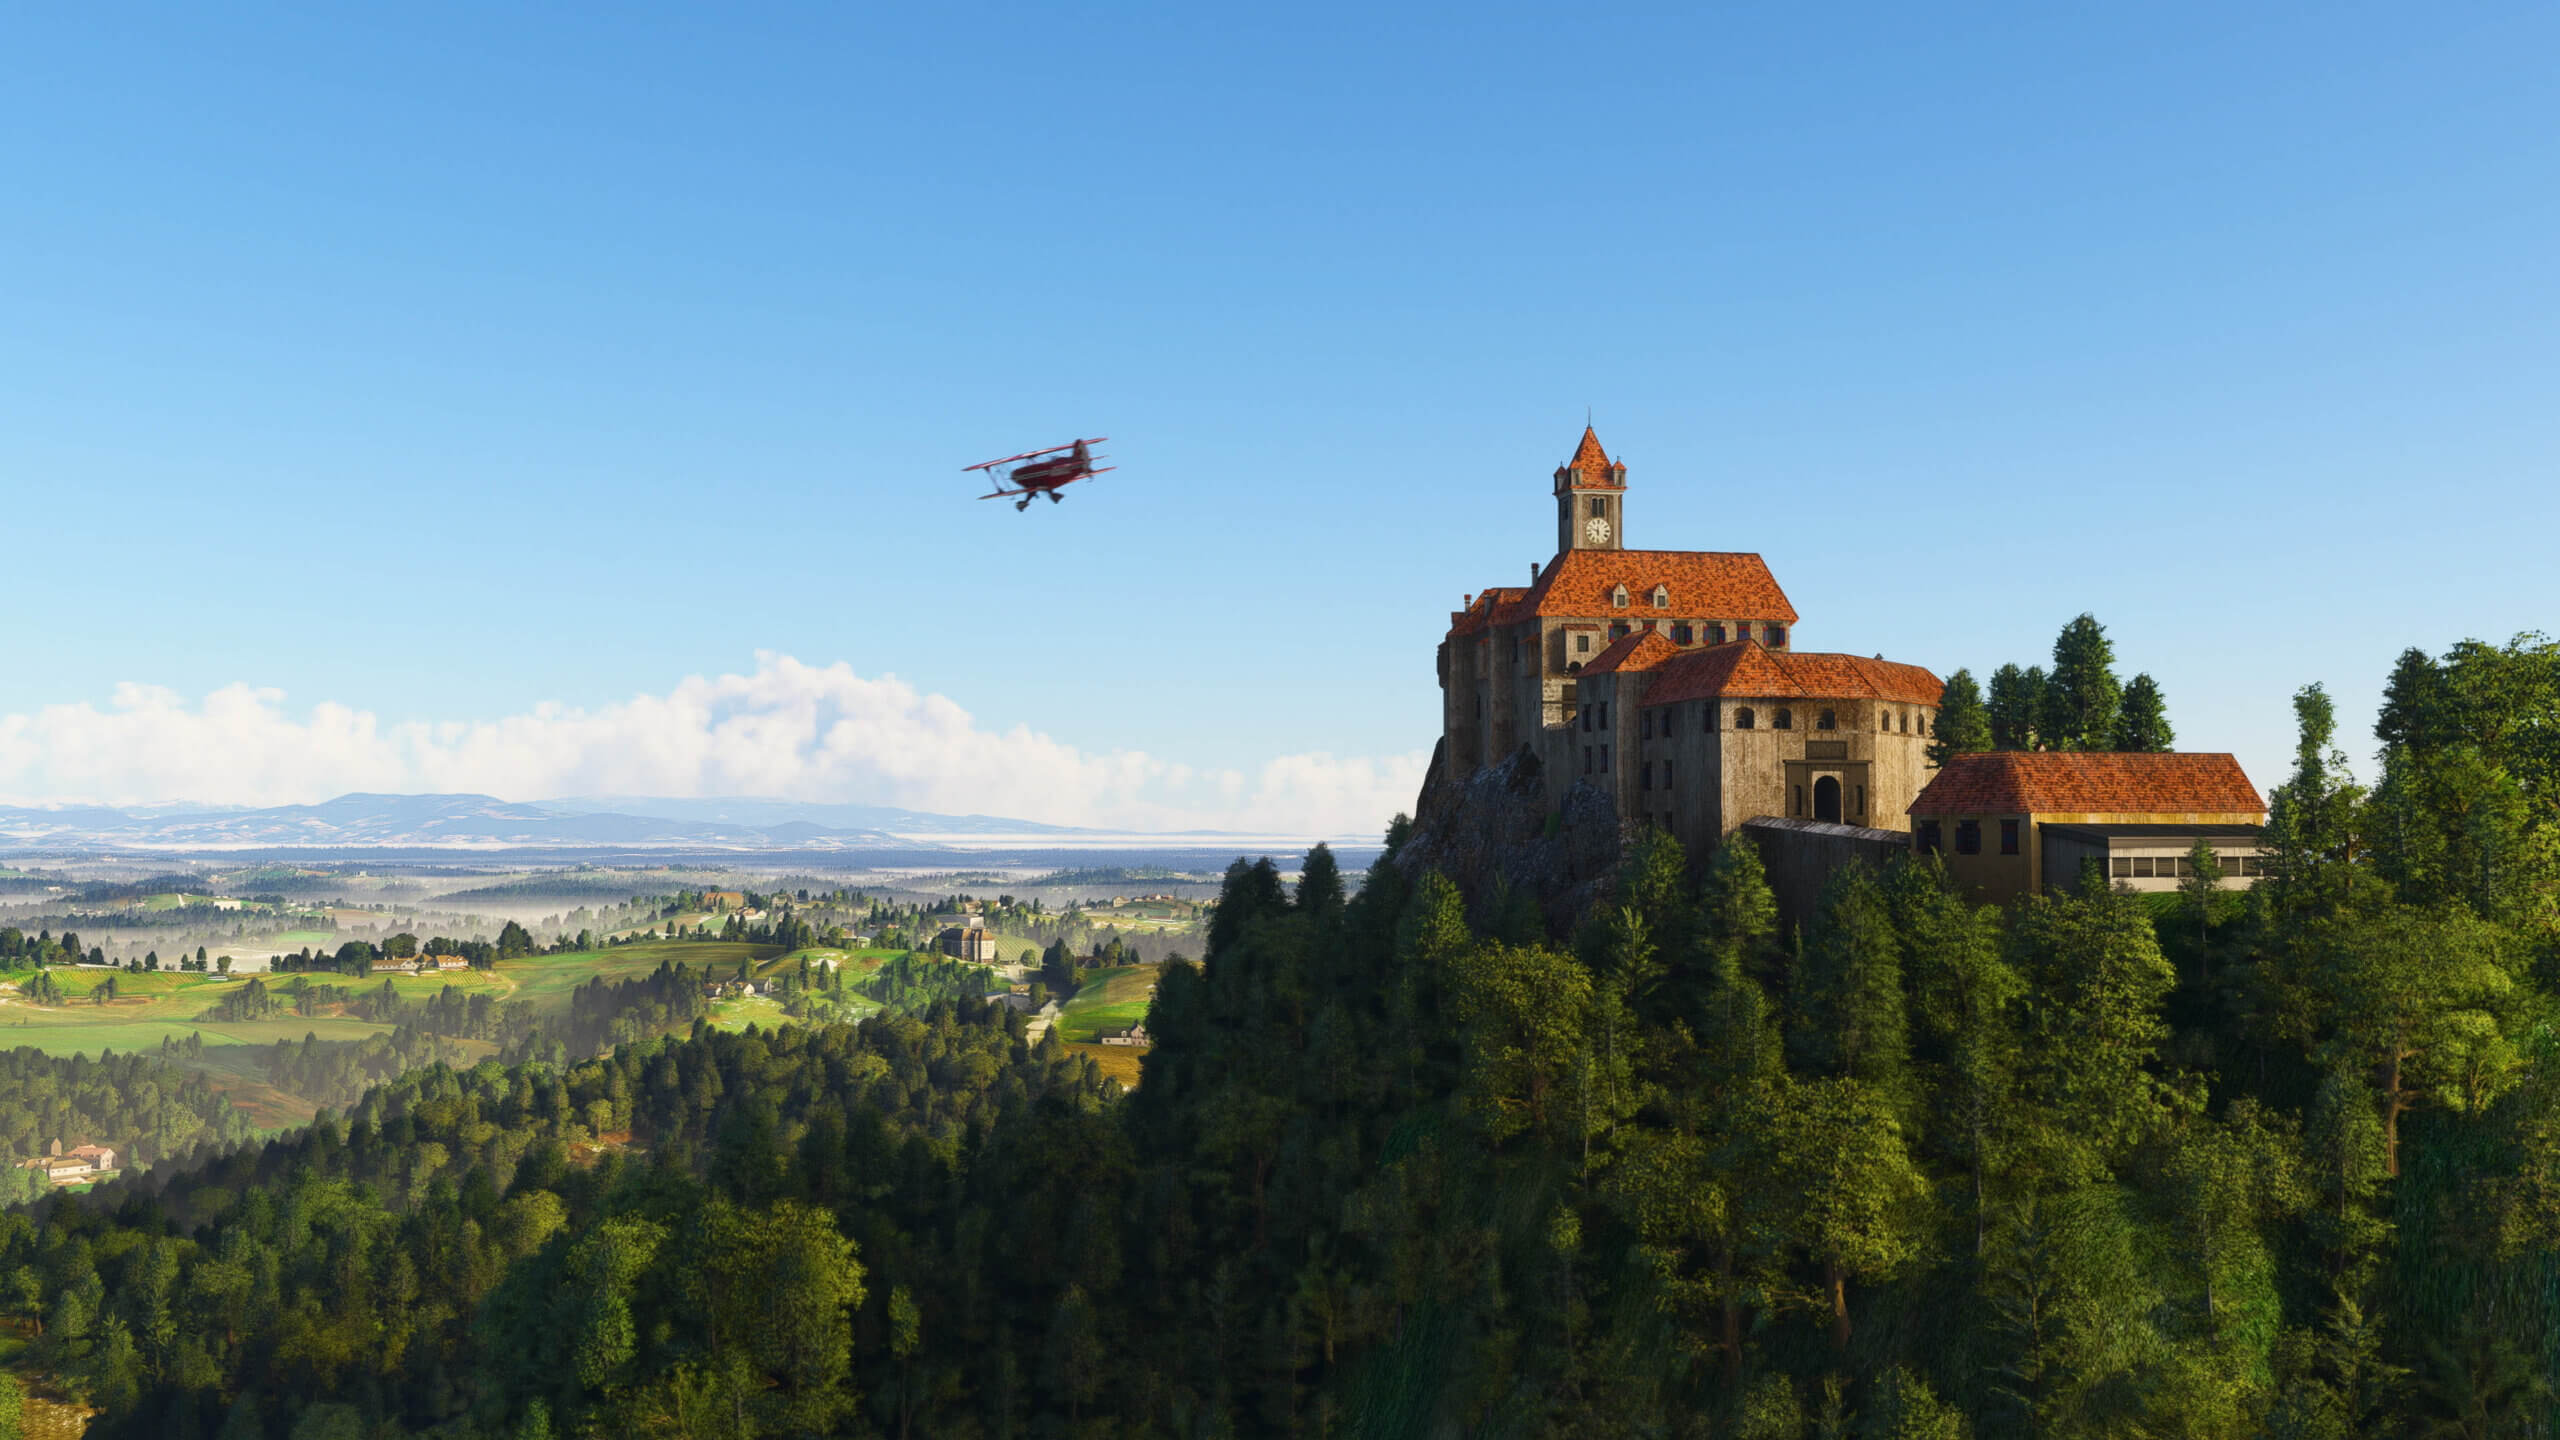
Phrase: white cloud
{"type": "Point", "coordinates": [787, 730]}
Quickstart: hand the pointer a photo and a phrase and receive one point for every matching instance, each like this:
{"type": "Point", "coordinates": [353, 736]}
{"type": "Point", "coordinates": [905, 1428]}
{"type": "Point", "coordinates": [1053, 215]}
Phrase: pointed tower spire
{"type": "Point", "coordinates": [1590, 459]}
{"type": "Point", "coordinates": [1589, 494]}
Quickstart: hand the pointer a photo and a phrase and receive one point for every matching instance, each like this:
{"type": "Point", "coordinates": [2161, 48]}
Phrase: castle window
{"type": "Point", "coordinates": [1743, 718]}
{"type": "Point", "coordinates": [1618, 631]}
{"type": "Point", "coordinates": [1604, 759]}
{"type": "Point", "coordinates": [1604, 719]}
{"type": "Point", "coordinates": [1968, 837]}
{"type": "Point", "coordinates": [1862, 799]}
{"type": "Point", "coordinates": [1600, 507]}
{"type": "Point", "coordinates": [1581, 644]}
{"type": "Point", "coordinates": [2008, 837]}
{"type": "Point", "coordinates": [1681, 635]}
{"type": "Point", "coordinates": [1666, 774]}
{"type": "Point", "coordinates": [1618, 597]}
{"type": "Point", "coordinates": [1648, 775]}
{"type": "Point", "coordinates": [1931, 839]}
{"type": "Point", "coordinates": [1777, 635]}
{"type": "Point", "coordinates": [1884, 722]}
{"type": "Point", "coordinates": [1827, 720]}
{"type": "Point", "coordinates": [1924, 724]}
{"type": "Point", "coordinates": [1586, 718]}
{"type": "Point", "coordinates": [1668, 711]}
{"type": "Point", "coordinates": [1715, 634]}
{"type": "Point", "coordinates": [1786, 719]}
{"type": "Point", "coordinates": [1661, 598]}
{"type": "Point", "coordinates": [1648, 724]}
{"type": "Point", "coordinates": [1586, 759]}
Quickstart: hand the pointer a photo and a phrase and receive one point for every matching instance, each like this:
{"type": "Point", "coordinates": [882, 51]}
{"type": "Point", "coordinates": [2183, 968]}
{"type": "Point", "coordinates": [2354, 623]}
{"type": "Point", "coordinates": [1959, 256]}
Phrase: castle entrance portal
{"type": "Point", "coordinates": [1826, 799]}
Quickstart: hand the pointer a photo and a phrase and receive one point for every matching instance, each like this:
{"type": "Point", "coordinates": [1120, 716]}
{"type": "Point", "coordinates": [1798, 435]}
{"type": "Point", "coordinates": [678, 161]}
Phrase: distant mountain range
{"type": "Point", "coordinates": [472, 822]}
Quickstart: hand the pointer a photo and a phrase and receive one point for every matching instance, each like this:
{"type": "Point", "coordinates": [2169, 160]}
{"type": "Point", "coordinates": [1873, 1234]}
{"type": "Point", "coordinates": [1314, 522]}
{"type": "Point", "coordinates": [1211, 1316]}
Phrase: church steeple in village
{"type": "Point", "coordinates": [1591, 494]}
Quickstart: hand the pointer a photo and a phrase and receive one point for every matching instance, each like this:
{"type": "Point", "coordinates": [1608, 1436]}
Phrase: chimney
{"type": "Point", "coordinates": [1533, 572]}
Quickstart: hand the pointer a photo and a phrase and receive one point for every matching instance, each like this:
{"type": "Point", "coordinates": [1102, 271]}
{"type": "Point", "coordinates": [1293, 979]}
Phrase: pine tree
{"type": "Point", "coordinates": [2142, 720]}
{"type": "Point", "coordinates": [1964, 725]}
{"type": "Point", "coordinates": [1848, 1003]}
{"type": "Point", "coordinates": [2016, 707]}
{"type": "Point", "coordinates": [2081, 695]}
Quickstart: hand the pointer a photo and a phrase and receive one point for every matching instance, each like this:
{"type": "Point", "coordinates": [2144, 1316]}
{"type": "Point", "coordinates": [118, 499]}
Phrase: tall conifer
{"type": "Point", "coordinates": [2142, 721]}
{"type": "Point", "coordinates": [2081, 695]}
{"type": "Point", "coordinates": [1964, 725]}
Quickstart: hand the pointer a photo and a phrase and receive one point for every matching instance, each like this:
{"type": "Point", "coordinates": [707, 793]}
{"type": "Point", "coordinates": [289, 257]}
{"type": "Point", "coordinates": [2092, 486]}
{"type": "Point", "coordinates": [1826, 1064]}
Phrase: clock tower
{"type": "Point", "coordinates": [1591, 494]}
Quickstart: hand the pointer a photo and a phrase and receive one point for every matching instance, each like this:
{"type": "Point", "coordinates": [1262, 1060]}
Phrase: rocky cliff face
{"type": "Point", "coordinates": [1500, 828]}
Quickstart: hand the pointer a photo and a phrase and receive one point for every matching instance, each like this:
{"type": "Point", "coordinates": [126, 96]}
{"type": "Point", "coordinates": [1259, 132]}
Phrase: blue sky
{"type": "Point", "coordinates": [453, 363]}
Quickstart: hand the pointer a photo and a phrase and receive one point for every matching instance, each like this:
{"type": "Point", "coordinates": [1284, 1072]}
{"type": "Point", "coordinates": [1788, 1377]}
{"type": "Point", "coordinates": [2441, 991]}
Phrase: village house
{"type": "Point", "coordinates": [77, 1165]}
{"type": "Point", "coordinates": [969, 940]}
{"type": "Point", "coordinates": [1134, 1035]}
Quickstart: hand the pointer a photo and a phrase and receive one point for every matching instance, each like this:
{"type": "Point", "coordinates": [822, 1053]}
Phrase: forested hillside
{"type": "Point", "coordinates": [2283, 1164]}
{"type": "Point", "coordinates": [150, 1111]}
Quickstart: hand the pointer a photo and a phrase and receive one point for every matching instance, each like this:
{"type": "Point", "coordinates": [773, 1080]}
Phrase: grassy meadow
{"type": "Point", "coordinates": [1107, 1000]}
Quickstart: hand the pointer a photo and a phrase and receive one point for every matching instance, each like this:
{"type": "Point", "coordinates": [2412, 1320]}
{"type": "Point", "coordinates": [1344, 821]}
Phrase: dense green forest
{"type": "Point", "coordinates": [2284, 1163]}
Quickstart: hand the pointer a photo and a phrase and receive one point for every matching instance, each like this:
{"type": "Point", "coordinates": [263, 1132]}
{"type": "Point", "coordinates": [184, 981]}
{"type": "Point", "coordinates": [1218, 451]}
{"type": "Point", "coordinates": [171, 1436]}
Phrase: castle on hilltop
{"type": "Point", "coordinates": [1670, 680]}
{"type": "Point", "coordinates": [1627, 688]}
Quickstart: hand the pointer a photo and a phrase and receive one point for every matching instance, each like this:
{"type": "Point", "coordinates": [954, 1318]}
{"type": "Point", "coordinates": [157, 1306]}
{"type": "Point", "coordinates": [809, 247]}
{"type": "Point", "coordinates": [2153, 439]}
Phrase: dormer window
{"type": "Point", "coordinates": [1618, 597]}
{"type": "Point", "coordinates": [1661, 598]}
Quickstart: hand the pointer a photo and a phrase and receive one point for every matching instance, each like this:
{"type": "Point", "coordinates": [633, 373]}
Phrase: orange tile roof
{"type": "Point", "coordinates": [1637, 650]}
{"type": "Point", "coordinates": [2089, 783]}
{"type": "Point", "coordinates": [1593, 462]}
{"type": "Point", "coordinates": [1704, 585]}
{"type": "Point", "coordinates": [1746, 669]}
{"type": "Point", "coordinates": [1481, 610]}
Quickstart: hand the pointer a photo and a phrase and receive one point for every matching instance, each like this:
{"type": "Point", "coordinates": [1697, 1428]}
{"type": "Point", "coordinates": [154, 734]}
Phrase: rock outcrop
{"type": "Point", "coordinates": [1500, 831]}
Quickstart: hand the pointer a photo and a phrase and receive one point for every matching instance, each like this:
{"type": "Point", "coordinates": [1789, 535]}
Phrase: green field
{"type": "Point", "coordinates": [1107, 1000]}
{"type": "Point", "coordinates": [289, 940]}
{"type": "Point", "coordinates": [165, 1004]}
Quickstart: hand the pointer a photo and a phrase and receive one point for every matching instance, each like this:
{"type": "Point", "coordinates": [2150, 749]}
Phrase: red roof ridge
{"type": "Point", "coordinates": [1746, 669]}
{"type": "Point", "coordinates": [1637, 650]}
{"type": "Point", "coordinates": [2090, 782]}
{"type": "Point", "coordinates": [1704, 584]}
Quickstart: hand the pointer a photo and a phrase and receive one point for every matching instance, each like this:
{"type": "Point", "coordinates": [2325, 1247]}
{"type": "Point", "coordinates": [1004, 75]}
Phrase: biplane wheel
{"type": "Point", "coordinates": [1022, 504]}
{"type": "Point", "coordinates": [1053, 497]}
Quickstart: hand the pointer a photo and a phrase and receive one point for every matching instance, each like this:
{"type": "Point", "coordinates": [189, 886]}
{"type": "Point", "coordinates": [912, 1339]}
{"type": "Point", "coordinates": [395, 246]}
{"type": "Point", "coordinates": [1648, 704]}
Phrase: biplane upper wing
{"type": "Point", "coordinates": [1036, 454]}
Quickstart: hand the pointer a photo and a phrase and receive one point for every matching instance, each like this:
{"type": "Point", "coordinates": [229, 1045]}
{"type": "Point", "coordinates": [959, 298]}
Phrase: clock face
{"type": "Point", "coordinates": [1596, 530]}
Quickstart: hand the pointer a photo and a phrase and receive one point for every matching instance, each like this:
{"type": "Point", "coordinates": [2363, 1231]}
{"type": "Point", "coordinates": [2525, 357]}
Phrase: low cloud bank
{"type": "Point", "coordinates": [788, 730]}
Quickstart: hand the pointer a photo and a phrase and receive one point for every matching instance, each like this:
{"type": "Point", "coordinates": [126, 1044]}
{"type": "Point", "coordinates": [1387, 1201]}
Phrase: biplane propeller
{"type": "Point", "coordinates": [1043, 472]}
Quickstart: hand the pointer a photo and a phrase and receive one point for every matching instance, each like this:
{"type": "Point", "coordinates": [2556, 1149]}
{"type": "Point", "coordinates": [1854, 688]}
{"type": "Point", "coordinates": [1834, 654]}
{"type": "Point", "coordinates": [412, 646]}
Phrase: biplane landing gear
{"type": "Point", "coordinates": [1022, 504]}
{"type": "Point", "coordinates": [1053, 498]}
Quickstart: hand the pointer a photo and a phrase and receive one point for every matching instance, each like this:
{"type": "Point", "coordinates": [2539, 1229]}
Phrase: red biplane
{"type": "Point", "coordinates": [1043, 472]}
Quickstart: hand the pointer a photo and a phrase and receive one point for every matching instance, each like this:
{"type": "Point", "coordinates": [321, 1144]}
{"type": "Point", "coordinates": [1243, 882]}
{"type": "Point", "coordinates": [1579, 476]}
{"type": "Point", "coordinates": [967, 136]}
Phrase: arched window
{"type": "Point", "coordinates": [1661, 598]}
{"type": "Point", "coordinates": [1786, 719]}
{"type": "Point", "coordinates": [1743, 719]}
{"type": "Point", "coordinates": [1906, 722]}
{"type": "Point", "coordinates": [1618, 597]}
{"type": "Point", "coordinates": [1826, 721]}
{"type": "Point", "coordinates": [1884, 721]}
